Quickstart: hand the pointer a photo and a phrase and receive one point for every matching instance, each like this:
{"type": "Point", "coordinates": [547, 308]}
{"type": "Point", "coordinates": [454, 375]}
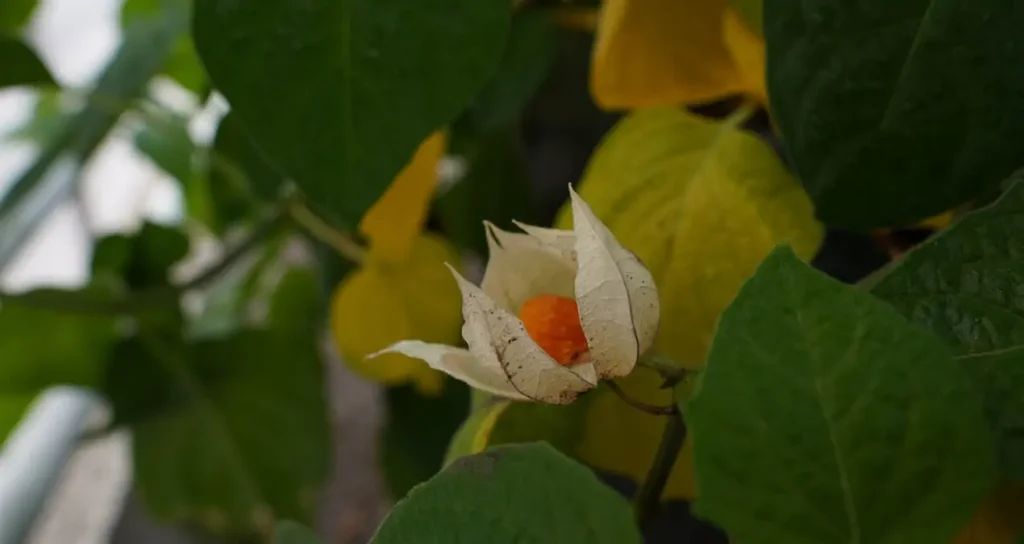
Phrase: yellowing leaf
{"type": "Point", "coordinates": [383, 303]}
{"type": "Point", "coordinates": [598, 429]}
{"type": "Point", "coordinates": [397, 218]}
{"type": "Point", "coordinates": [747, 50]}
{"type": "Point", "coordinates": [701, 203]}
{"type": "Point", "coordinates": [999, 520]}
{"type": "Point", "coordinates": [666, 53]}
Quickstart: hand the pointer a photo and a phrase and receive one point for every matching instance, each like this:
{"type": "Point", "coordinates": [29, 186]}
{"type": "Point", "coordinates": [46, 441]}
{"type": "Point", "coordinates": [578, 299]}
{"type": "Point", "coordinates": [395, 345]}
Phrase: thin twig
{"type": "Point", "coordinates": [341, 242]}
{"type": "Point", "coordinates": [648, 497]}
{"type": "Point", "coordinates": [649, 408]}
{"type": "Point", "coordinates": [140, 301]}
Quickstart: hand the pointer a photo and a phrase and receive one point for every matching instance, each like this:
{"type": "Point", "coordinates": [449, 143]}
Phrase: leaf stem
{"type": "Point", "coordinates": [342, 242]}
{"type": "Point", "coordinates": [648, 497]}
{"type": "Point", "coordinates": [671, 372]}
{"type": "Point", "coordinates": [140, 301]}
{"type": "Point", "coordinates": [642, 406]}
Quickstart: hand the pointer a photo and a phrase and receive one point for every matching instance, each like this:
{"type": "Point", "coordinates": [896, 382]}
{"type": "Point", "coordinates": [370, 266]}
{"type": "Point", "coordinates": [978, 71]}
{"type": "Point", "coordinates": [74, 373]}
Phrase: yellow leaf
{"type": "Point", "coordinates": [666, 53]}
{"type": "Point", "coordinates": [701, 203]}
{"type": "Point", "coordinates": [747, 51]}
{"type": "Point", "coordinates": [383, 302]}
{"type": "Point", "coordinates": [598, 429]}
{"type": "Point", "coordinates": [999, 520]}
{"type": "Point", "coordinates": [397, 218]}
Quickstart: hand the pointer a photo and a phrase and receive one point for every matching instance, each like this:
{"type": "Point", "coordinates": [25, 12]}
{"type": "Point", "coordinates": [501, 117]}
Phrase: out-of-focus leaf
{"type": "Point", "coordinates": [701, 203]}
{"type": "Point", "coordinates": [494, 188]}
{"type": "Point", "coordinates": [394, 222]}
{"type": "Point", "coordinates": [239, 178]}
{"type": "Point", "coordinates": [51, 178]}
{"type": "Point", "coordinates": [143, 259]}
{"type": "Point", "coordinates": [241, 435]}
{"type": "Point", "coordinates": [667, 53]}
{"type": "Point", "coordinates": [998, 520]}
{"type": "Point", "coordinates": [895, 111]}
{"type": "Point", "coordinates": [48, 119]}
{"type": "Point", "coordinates": [418, 430]}
{"type": "Point", "coordinates": [182, 64]}
{"type": "Point", "coordinates": [290, 532]}
{"type": "Point", "coordinates": [382, 303]}
{"type": "Point", "coordinates": [524, 494]}
{"type": "Point", "coordinates": [14, 14]}
{"type": "Point", "coordinates": [598, 429]}
{"type": "Point", "coordinates": [20, 65]}
{"type": "Point", "coordinates": [229, 432]}
{"type": "Point", "coordinates": [525, 62]}
{"type": "Point", "coordinates": [747, 50]}
{"type": "Point", "coordinates": [962, 285]}
{"type": "Point", "coordinates": [41, 347]}
{"type": "Point", "coordinates": [343, 114]}
{"type": "Point", "coordinates": [804, 371]}
{"type": "Point", "coordinates": [164, 138]}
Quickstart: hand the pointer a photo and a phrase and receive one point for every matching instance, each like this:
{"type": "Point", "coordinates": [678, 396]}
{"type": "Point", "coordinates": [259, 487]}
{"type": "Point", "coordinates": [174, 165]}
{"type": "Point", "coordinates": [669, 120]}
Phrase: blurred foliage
{"type": "Point", "coordinates": [368, 141]}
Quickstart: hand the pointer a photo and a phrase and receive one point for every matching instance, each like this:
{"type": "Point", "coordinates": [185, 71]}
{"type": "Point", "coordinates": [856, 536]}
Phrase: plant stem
{"type": "Point", "coordinates": [642, 406]}
{"type": "Point", "coordinates": [319, 229]}
{"type": "Point", "coordinates": [140, 301]}
{"type": "Point", "coordinates": [649, 496]}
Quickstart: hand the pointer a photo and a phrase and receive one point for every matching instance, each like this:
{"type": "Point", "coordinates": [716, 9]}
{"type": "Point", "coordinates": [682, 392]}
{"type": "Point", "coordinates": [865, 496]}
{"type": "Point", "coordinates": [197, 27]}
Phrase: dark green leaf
{"type": "Point", "coordinates": [752, 12]}
{"type": "Point", "coordinates": [40, 348]}
{"type": "Point", "coordinates": [896, 111]}
{"type": "Point", "coordinates": [238, 167]}
{"type": "Point", "coordinates": [964, 285]}
{"type": "Point", "coordinates": [21, 66]}
{"type": "Point", "coordinates": [143, 259]}
{"type": "Point", "coordinates": [14, 14]}
{"type": "Point", "coordinates": [824, 416]}
{"type": "Point", "coordinates": [182, 64]}
{"type": "Point", "coordinates": [525, 62]}
{"type": "Point", "coordinates": [290, 532]}
{"type": "Point", "coordinates": [518, 494]}
{"type": "Point", "coordinates": [340, 95]}
{"type": "Point", "coordinates": [242, 433]}
{"type": "Point", "coordinates": [495, 188]}
{"type": "Point", "coordinates": [417, 432]}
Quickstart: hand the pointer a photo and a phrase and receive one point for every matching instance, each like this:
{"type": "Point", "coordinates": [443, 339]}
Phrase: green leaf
{"type": "Point", "coordinates": [340, 95]}
{"type": "Point", "coordinates": [41, 347]}
{"type": "Point", "coordinates": [245, 438]}
{"type": "Point", "coordinates": [230, 432]}
{"type": "Point", "coordinates": [33, 195]}
{"type": "Point", "coordinates": [182, 64]}
{"type": "Point", "coordinates": [525, 62]}
{"type": "Point", "coordinates": [165, 140]}
{"type": "Point", "coordinates": [511, 494]}
{"type": "Point", "coordinates": [14, 14]}
{"type": "Point", "coordinates": [963, 286]}
{"type": "Point", "coordinates": [896, 111]}
{"type": "Point", "coordinates": [239, 177]}
{"type": "Point", "coordinates": [495, 187]}
{"type": "Point", "coordinates": [823, 416]}
{"type": "Point", "coordinates": [21, 65]}
{"type": "Point", "coordinates": [416, 435]}
{"type": "Point", "coordinates": [142, 259]}
{"type": "Point", "coordinates": [290, 532]}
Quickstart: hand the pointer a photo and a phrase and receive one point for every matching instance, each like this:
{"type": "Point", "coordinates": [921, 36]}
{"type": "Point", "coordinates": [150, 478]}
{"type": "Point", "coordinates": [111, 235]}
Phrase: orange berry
{"type": "Point", "coordinates": [553, 322]}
